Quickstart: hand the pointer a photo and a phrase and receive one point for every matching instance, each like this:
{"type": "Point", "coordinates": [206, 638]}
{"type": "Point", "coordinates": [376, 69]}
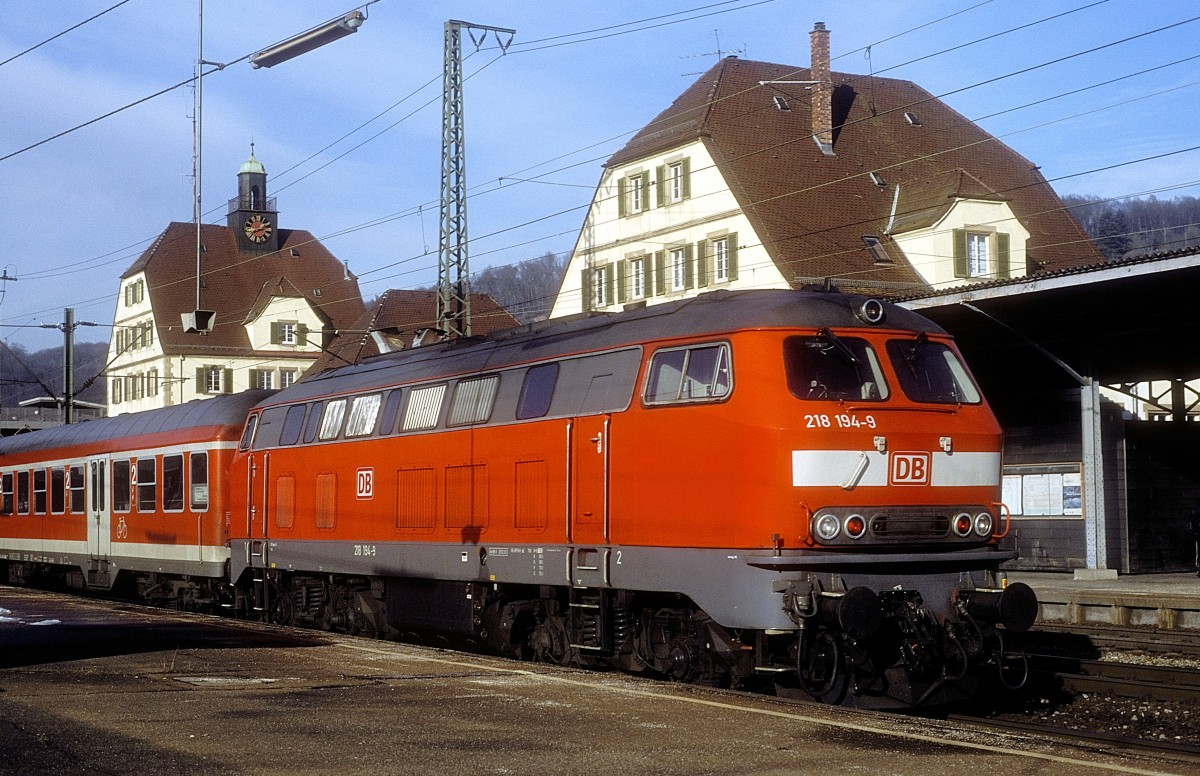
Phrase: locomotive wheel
{"type": "Point", "coordinates": [549, 642]}
{"type": "Point", "coordinates": [822, 669]}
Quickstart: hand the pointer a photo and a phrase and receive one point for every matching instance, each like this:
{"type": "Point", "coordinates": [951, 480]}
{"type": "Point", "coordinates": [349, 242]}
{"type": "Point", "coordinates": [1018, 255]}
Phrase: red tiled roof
{"type": "Point", "coordinates": [401, 315]}
{"type": "Point", "coordinates": [237, 286]}
{"type": "Point", "coordinates": [812, 210]}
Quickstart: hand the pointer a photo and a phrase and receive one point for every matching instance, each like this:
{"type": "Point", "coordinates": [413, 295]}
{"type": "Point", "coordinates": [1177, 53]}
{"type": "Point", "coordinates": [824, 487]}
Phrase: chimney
{"type": "Point", "coordinates": [822, 89]}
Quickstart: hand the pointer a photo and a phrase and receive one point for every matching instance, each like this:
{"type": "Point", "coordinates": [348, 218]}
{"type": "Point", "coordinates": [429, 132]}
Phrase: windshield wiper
{"type": "Point", "coordinates": [842, 347]}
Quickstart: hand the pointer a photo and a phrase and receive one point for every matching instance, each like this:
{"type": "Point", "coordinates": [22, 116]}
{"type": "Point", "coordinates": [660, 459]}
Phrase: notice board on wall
{"type": "Point", "coordinates": [1046, 490]}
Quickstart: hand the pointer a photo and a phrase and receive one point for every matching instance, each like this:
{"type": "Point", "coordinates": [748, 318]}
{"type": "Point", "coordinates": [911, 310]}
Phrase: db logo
{"type": "Point", "coordinates": [909, 469]}
{"type": "Point", "coordinates": [365, 480]}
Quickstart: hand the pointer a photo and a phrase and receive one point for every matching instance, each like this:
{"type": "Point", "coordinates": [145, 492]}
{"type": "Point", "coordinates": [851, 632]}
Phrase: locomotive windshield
{"type": "Point", "coordinates": [832, 368]}
{"type": "Point", "coordinates": [931, 372]}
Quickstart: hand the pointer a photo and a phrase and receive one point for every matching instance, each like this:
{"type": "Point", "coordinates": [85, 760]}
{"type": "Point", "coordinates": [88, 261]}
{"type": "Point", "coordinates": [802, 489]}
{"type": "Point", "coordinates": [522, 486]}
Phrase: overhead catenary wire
{"type": "Point", "coordinates": [525, 223]}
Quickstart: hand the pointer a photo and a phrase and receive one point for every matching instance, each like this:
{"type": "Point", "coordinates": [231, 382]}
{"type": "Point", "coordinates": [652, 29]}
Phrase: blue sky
{"type": "Point", "coordinates": [350, 134]}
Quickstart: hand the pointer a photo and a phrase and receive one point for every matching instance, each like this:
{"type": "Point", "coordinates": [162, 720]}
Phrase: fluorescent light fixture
{"type": "Point", "coordinates": [338, 27]}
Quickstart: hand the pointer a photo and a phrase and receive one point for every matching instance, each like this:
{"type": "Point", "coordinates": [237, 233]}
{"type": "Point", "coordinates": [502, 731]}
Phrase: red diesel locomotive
{"type": "Point", "coordinates": [797, 486]}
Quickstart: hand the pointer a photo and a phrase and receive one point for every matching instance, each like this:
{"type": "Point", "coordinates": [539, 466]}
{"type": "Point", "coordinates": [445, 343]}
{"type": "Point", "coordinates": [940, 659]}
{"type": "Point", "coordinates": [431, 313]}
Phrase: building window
{"type": "Point", "coordinates": [674, 182]}
{"type": "Point", "coordinates": [152, 382]}
{"type": "Point", "coordinates": [600, 287]}
{"type": "Point", "coordinates": [134, 293]}
{"type": "Point", "coordinates": [214, 379]}
{"type": "Point", "coordinates": [978, 264]}
{"type": "Point", "coordinates": [264, 379]}
{"type": "Point", "coordinates": [981, 254]}
{"type": "Point", "coordinates": [877, 250]}
{"type": "Point", "coordinates": [286, 377]}
{"type": "Point", "coordinates": [287, 334]}
{"type": "Point", "coordinates": [116, 390]}
{"type": "Point", "coordinates": [720, 252]}
{"type": "Point", "coordinates": [631, 194]}
{"type": "Point", "coordinates": [679, 269]}
{"type": "Point", "coordinates": [637, 277]}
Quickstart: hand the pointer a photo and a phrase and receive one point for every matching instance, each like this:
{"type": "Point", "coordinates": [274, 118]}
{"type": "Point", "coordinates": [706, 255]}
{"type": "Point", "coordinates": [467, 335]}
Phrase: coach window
{"type": "Point", "coordinates": [198, 467]}
{"type": "Point", "coordinates": [313, 422]}
{"type": "Point", "coordinates": [689, 374]}
{"type": "Point", "coordinates": [536, 391]}
{"type": "Point", "coordinates": [828, 367]}
{"type": "Point", "coordinates": [293, 424]}
{"type": "Point", "coordinates": [23, 493]}
{"type": "Point", "coordinates": [75, 485]}
{"type": "Point", "coordinates": [391, 410]}
{"type": "Point", "coordinates": [364, 411]}
{"type": "Point", "coordinates": [6, 493]}
{"type": "Point", "coordinates": [58, 491]}
{"type": "Point", "coordinates": [931, 372]}
{"type": "Point", "coordinates": [172, 483]}
{"type": "Point", "coordinates": [39, 491]}
{"type": "Point", "coordinates": [147, 486]}
{"type": "Point", "coordinates": [423, 408]}
{"type": "Point", "coordinates": [120, 485]}
{"type": "Point", "coordinates": [331, 421]}
{"type": "Point", "coordinates": [473, 401]}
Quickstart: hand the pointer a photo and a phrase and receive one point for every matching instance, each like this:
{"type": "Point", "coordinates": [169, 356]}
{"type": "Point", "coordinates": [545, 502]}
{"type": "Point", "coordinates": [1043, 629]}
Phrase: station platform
{"type": "Point", "coordinates": [1167, 602]}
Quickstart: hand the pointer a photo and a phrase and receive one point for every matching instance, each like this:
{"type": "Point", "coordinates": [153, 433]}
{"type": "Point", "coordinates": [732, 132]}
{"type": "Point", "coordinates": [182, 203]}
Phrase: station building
{"type": "Point", "coordinates": [764, 175]}
{"type": "Point", "coordinates": [278, 295]}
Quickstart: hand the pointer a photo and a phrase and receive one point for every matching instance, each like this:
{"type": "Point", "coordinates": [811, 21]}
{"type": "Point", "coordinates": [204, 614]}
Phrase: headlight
{"type": "Point", "coordinates": [962, 524]}
{"type": "Point", "coordinates": [983, 524]}
{"type": "Point", "coordinates": [827, 527]}
{"type": "Point", "coordinates": [855, 526]}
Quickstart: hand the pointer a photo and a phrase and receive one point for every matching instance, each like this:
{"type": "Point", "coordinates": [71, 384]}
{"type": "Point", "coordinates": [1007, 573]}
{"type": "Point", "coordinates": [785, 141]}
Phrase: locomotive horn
{"type": "Point", "coordinates": [1015, 606]}
{"type": "Point", "coordinates": [857, 612]}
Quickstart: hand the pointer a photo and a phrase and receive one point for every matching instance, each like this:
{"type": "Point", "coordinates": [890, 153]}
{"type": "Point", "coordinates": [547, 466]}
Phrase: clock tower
{"type": "Point", "coordinates": [252, 215]}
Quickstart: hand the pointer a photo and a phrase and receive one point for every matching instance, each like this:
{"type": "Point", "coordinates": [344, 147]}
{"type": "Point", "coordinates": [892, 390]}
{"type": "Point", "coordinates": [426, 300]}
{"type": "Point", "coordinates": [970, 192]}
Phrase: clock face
{"type": "Point", "coordinates": [258, 229]}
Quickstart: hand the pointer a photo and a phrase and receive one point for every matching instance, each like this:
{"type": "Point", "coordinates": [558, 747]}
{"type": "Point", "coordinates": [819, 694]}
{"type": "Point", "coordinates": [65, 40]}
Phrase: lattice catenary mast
{"type": "Point", "coordinates": [454, 282]}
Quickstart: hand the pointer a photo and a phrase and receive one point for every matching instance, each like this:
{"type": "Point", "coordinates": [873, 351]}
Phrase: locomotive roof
{"type": "Point", "coordinates": [713, 313]}
{"type": "Point", "coordinates": [218, 411]}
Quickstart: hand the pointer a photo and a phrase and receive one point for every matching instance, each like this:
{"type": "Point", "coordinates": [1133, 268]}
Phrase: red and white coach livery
{"type": "Point", "coordinates": [136, 499]}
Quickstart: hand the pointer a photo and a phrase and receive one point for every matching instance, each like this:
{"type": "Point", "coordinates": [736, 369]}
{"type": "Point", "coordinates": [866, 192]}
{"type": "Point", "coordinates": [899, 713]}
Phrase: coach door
{"type": "Point", "coordinates": [588, 522]}
{"type": "Point", "coordinates": [99, 527]}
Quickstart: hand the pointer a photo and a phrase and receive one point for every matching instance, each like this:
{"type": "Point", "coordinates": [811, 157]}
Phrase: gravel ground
{"type": "Point", "coordinates": [1171, 721]}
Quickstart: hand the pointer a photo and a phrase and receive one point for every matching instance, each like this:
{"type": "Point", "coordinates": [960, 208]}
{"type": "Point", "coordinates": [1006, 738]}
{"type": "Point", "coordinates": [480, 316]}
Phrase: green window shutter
{"type": "Point", "coordinates": [647, 276]}
{"type": "Point", "coordinates": [622, 294]}
{"type": "Point", "coordinates": [960, 253]}
{"type": "Point", "coordinates": [701, 264]}
{"type": "Point", "coordinates": [731, 254]}
{"type": "Point", "coordinates": [621, 198]}
{"type": "Point", "coordinates": [227, 381]}
{"type": "Point", "coordinates": [200, 386]}
{"type": "Point", "coordinates": [301, 334]}
{"type": "Point", "coordinates": [276, 338]}
{"type": "Point", "coordinates": [689, 274]}
{"type": "Point", "coordinates": [660, 177]}
{"type": "Point", "coordinates": [645, 190]}
{"type": "Point", "coordinates": [585, 289]}
{"type": "Point", "coordinates": [1003, 264]}
{"type": "Point", "coordinates": [609, 279]}
{"type": "Point", "coordinates": [660, 275]}
{"type": "Point", "coordinates": [687, 177]}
